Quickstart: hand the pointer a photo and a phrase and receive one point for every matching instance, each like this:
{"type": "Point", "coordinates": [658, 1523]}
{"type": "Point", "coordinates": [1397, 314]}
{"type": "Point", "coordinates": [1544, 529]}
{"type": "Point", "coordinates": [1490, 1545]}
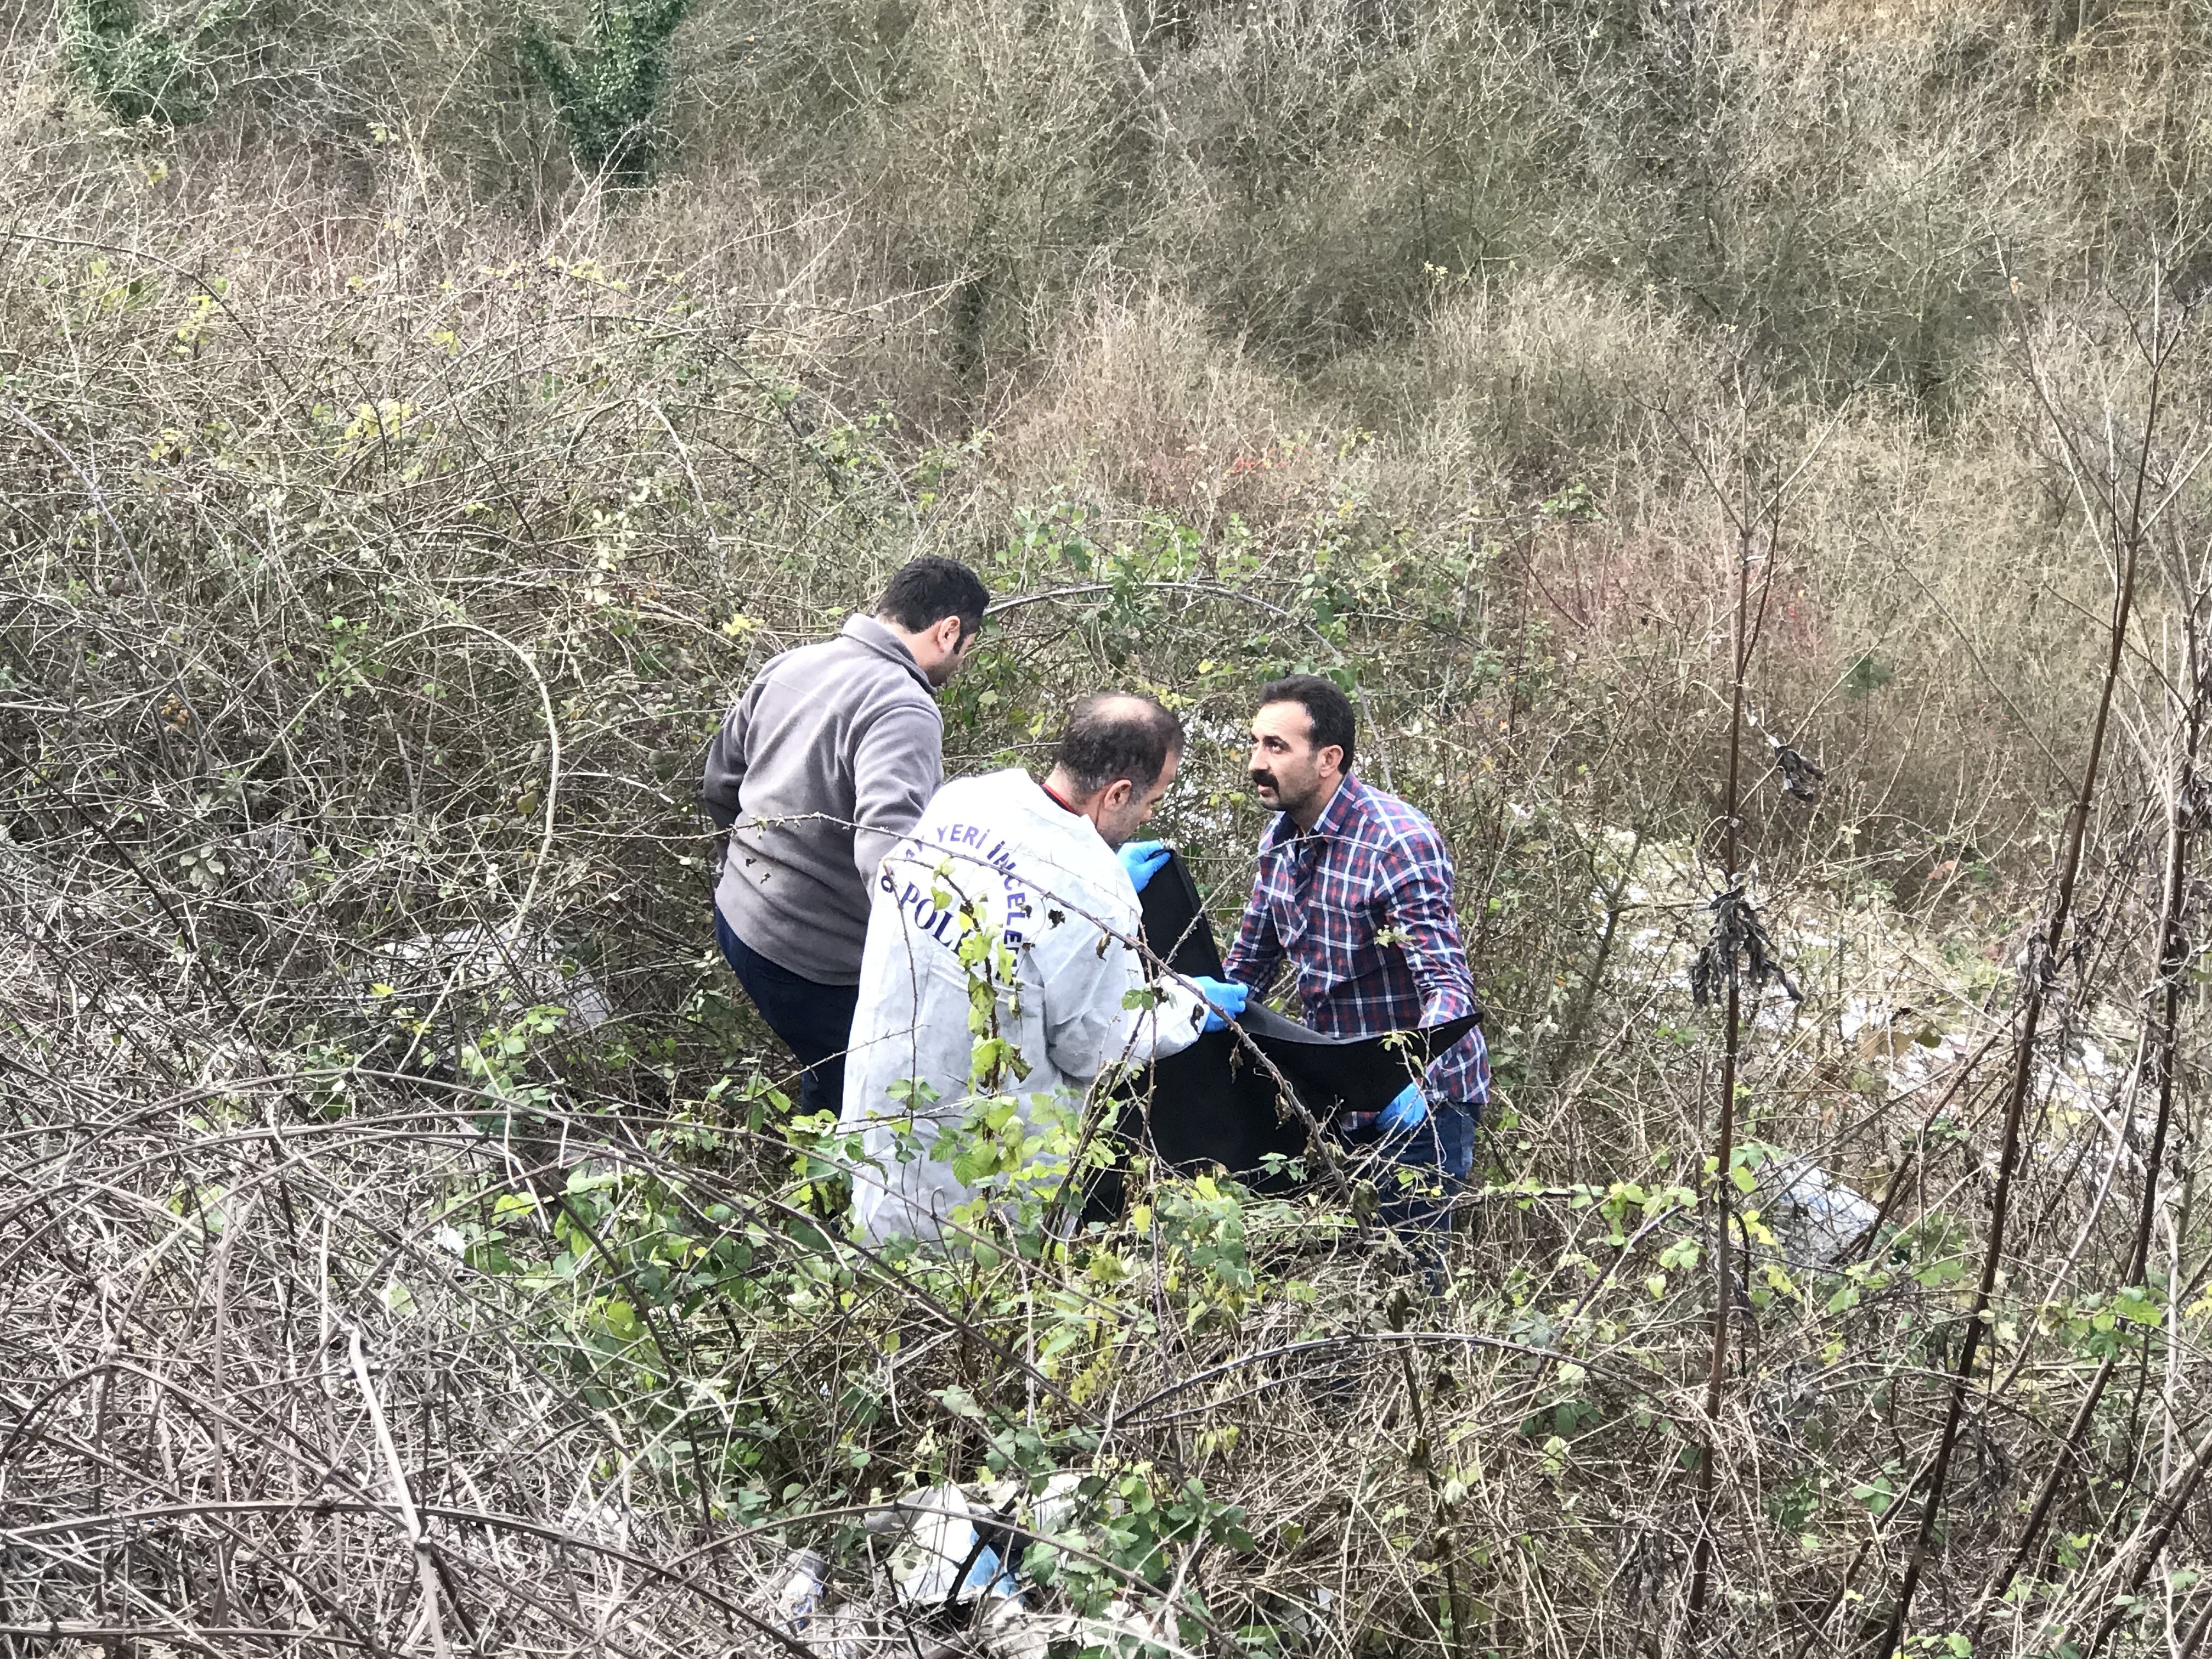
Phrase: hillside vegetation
{"type": "Point", "coordinates": [1721, 441]}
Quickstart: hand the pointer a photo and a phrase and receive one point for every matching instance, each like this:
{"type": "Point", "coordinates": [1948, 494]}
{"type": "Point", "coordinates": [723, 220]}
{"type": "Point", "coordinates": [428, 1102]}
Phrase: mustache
{"type": "Point", "coordinates": [1263, 779]}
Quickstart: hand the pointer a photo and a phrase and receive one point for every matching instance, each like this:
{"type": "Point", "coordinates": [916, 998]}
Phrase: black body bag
{"type": "Point", "coordinates": [1216, 1103]}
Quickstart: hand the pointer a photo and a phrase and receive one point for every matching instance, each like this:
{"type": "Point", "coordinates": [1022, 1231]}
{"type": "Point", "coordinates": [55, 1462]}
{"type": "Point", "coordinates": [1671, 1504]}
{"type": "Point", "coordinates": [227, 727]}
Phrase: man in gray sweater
{"type": "Point", "coordinates": [821, 766]}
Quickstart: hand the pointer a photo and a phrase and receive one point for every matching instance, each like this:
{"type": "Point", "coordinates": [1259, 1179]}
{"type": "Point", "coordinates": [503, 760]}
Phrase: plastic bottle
{"type": "Point", "coordinates": [799, 1591]}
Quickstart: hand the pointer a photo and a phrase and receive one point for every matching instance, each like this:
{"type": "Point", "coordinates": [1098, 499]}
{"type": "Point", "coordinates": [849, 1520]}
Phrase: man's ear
{"type": "Point", "coordinates": [1331, 758]}
{"type": "Point", "coordinates": [1118, 793]}
{"type": "Point", "coordinates": [945, 635]}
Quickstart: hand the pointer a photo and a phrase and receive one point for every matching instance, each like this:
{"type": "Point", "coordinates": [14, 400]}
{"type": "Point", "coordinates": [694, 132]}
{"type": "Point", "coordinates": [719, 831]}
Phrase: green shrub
{"type": "Point", "coordinates": [137, 71]}
{"type": "Point", "coordinates": [607, 93]}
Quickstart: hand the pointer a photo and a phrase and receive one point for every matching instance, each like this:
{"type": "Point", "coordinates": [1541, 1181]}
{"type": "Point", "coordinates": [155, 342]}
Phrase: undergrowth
{"type": "Point", "coordinates": [384, 536]}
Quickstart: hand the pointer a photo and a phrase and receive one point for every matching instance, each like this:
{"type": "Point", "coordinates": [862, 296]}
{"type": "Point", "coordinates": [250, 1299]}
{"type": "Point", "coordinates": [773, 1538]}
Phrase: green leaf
{"type": "Point", "coordinates": [958, 1401]}
{"type": "Point", "coordinates": [2137, 1309]}
{"type": "Point", "coordinates": [1876, 1494]}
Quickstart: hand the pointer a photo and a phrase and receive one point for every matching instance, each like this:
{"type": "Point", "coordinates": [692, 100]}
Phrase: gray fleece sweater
{"type": "Point", "coordinates": [826, 760]}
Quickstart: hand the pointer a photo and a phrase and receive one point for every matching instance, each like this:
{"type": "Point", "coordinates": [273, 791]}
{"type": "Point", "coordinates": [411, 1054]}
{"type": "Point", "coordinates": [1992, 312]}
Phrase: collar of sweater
{"type": "Point", "coordinates": [868, 632]}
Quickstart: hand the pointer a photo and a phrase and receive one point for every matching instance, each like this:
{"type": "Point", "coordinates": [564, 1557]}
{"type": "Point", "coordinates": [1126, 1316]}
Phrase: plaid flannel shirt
{"type": "Point", "coordinates": [1361, 907]}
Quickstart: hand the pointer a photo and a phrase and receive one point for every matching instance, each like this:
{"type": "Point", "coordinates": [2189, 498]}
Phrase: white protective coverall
{"type": "Point", "coordinates": [1043, 876]}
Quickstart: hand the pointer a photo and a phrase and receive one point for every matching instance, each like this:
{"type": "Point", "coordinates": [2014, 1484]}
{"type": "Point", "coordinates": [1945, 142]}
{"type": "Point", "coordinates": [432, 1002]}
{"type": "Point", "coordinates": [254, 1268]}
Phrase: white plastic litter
{"type": "Point", "coordinates": [1012, 1632]}
{"type": "Point", "coordinates": [1053, 1508]}
{"type": "Point", "coordinates": [939, 1541]}
{"type": "Point", "coordinates": [799, 1592]}
{"type": "Point", "coordinates": [938, 1561]}
{"type": "Point", "coordinates": [1813, 1217]}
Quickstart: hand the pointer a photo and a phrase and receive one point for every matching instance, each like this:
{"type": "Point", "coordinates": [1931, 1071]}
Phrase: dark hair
{"type": "Point", "coordinates": [1325, 705]}
{"type": "Point", "coordinates": [924, 592]}
{"type": "Point", "coordinates": [1115, 735]}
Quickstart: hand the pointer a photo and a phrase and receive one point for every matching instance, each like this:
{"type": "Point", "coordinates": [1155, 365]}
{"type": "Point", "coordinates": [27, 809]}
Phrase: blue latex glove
{"type": "Point", "coordinates": [1143, 860]}
{"type": "Point", "coordinates": [1222, 996]}
{"type": "Point", "coordinates": [1409, 1109]}
{"type": "Point", "coordinates": [990, 1576]}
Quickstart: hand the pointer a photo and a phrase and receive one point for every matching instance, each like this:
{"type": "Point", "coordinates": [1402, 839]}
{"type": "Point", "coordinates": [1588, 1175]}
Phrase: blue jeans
{"type": "Point", "coordinates": [815, 1021]}
{"type": "Point", "coordinates": [1435, 1152]}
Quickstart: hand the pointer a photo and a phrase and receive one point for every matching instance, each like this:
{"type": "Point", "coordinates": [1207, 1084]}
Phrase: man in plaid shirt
{"type": "Point", "coordinates": [1354, 890]}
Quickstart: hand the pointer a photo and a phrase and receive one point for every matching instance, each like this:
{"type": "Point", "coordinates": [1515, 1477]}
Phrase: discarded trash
{"type": "Point", "coordinates": [1054, 1508]}
{"type": "Point", "coordinates": [798, 1596]}
{"type": "Point", "coordinates": [1011, 1631]}
{"type": "Point", "coordinates": [942, 1559]}
{"type": "Point", "coordinates": [1813, 1217]}
{"type": "Point", "coordinates": [950, 1585]}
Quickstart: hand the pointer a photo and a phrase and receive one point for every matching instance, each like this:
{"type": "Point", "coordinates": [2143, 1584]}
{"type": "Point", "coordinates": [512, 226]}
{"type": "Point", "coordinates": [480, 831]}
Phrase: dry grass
{"type": "Point", "coordinates": [387, 520]}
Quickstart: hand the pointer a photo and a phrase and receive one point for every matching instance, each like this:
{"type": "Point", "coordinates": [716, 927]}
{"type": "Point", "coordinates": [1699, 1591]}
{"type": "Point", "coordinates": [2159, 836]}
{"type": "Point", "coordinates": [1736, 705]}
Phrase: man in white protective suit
{"type": "Point", "coordinates": [997, 978]}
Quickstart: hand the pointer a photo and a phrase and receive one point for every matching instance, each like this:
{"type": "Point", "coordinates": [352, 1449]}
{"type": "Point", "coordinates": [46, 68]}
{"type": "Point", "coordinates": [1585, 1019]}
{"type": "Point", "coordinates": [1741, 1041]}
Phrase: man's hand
{"type": "Point", "coordinates": [1142, 859]}
{"type": "Point", "coordinates": [1408, 1109]}
{"type": "Point", "coordinates": [1225, 999]}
